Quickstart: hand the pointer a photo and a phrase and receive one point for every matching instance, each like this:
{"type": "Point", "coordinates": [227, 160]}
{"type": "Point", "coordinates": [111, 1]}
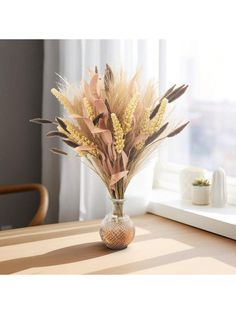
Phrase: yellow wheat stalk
{"type": "Point", "coordinates": [118, 133]}
{"type": "Point", "coordinates": [148, 127]}
{"type": "Point", "coordinates": [129, 113]}
{"type": "Point", "coordinates": [144, 127]}
{"type": "Point", "coordinates": [63, 100]}
{"type": "Point", "coordinates": [156, 122]}
{"type": "Point", "coordinates": [89, 108]}
{"type": "Point", "coordinates": [145, 123]}
{"type": "Point", "coordinates": [75, 136]}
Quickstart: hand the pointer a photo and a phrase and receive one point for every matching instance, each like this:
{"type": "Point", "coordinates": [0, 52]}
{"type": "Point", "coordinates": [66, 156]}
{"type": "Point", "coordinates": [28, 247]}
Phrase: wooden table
{"type": "Point", "coordinates": [161, 246]}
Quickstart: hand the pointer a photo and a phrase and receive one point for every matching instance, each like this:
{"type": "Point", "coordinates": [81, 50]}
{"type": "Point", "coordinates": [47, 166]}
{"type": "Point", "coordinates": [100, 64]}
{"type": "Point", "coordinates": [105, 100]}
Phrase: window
{"type": "Point", "coordinates": [210, 139]}
{"type": "Point", "coordinates": [210, 103]}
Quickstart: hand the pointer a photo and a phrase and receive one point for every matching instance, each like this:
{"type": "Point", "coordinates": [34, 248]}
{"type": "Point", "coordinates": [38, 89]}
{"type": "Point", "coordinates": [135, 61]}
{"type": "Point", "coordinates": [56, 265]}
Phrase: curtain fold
{"type": "Point", "coordinates": [75, 192]}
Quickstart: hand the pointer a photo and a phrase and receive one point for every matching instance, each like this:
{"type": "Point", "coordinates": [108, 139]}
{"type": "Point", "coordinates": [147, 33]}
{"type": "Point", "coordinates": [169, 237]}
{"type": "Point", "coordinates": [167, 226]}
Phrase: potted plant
{"type": "Point", "coordinates": [200, 191]}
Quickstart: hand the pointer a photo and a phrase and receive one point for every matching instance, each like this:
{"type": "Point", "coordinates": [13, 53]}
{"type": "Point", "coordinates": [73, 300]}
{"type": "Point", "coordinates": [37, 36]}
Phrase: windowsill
{"type": "Point", "coordinates": [168, 204]}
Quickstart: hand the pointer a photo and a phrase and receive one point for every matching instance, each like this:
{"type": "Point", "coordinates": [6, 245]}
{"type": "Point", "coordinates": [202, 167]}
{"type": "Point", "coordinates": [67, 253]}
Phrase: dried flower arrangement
{"type": "Point", "coordinates": [114, 124]}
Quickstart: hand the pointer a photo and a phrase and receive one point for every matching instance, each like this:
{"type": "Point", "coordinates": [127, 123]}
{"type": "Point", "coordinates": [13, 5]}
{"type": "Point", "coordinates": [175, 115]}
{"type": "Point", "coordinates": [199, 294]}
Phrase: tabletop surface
{"type": "Point", "coordinates": [161, 246]}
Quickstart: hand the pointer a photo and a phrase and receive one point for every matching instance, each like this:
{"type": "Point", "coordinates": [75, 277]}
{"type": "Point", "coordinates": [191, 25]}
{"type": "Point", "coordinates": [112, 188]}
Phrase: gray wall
{"type": "Point", "coordinates": [21, 71]}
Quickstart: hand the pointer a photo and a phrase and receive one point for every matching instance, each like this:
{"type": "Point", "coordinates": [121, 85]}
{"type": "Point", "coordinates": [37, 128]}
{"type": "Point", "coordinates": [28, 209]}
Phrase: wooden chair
{"type": "Point", "coordinates": [39, 217]}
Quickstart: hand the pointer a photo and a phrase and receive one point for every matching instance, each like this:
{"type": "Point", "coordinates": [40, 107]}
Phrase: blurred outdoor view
{"type": "Point", "coordinates": [209, 68]}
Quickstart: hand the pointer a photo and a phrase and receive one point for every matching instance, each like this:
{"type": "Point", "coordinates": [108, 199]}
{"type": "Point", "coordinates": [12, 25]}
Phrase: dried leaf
{"type": "Point", "coordinates": [40, 121]}
{"type": "Point", "coordinates": [62, 124]}
{"type": "Point", "coordinates": [171, 94]}
{"type": "Point", "coordinates": [93, 86]}
{"type": "Point", "coordinates": [87, 122]}
{"type": "Point", "coordinates": [178, 130]}
{"type": "Point", "coordinates": [154, 112]}
{"type": "Point", "coordinates": [96, 130]}
{"type": "Point", "coordinates": [177, 93]}
{"type": "Point", "coordinates": [108, 106]}
{"type": "Point", "coordinates": [70, 143]}
{"type": "Point", "coordinates": [154, 136]}
{"type": "Point", "coordinates": [100, 106]}
{"type": "Point", "coordinates": [109, 166]}
{"type": "Point", "coordinates": [108, 78]}
{"type": "Point", "coordinates": [168, 91]}
{"type": "Point", "coordinates": [102, 155]}
{"type": "Point", "coordinates": [56, 133]}
{"type": "Point", "coordinates": [117, 177]}
{"type": "Point", "coordinates": [107, 137]}
{"type": "Point", "coordinates": [96, 119]}
{"type": "Point", "coordinates": [110, 152]}
{"type": "Point", "coordinates": [109, 73]}
{"type": "Point", "coordinates": [83, 148]}
{"type": "Point", "coordinates": [58, 151]}
{"type": "Point", "coordinates": [124, 159]}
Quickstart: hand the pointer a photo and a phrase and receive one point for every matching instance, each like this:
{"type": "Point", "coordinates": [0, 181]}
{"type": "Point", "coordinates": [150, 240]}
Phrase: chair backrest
{"type": "Point", "coordinates": [40, 215]}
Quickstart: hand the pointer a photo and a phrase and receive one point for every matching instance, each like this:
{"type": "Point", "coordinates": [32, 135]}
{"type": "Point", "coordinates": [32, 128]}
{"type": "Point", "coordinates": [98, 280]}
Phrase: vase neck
{"type": "Point", "coordinates": [118, 207]}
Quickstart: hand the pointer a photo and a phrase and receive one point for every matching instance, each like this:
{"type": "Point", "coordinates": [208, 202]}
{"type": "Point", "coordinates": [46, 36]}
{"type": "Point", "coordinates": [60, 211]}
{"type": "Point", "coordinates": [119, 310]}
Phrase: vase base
{"type": "Point", "coordinates": [116, 248]}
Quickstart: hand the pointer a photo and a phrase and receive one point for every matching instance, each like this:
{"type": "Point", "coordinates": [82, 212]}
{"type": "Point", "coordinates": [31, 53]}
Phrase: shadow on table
{"type": "Point", "coordinates": [65, 255]}
{"type": "Point", "coordinates": [146, 263]}
{"type": "Point", "coordinates": [27, 238]}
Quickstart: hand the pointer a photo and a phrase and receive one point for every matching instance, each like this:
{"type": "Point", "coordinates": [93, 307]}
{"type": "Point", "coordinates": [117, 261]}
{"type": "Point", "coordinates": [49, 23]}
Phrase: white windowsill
{"type": "Point", "coordinates": [168, 204]}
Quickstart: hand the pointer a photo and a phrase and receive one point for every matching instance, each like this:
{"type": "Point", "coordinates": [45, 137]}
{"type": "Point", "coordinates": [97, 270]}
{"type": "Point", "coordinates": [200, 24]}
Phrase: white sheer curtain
{"type": "Point", "coordinates": [76, 192]}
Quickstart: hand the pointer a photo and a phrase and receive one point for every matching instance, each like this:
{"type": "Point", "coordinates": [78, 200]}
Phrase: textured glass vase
{"type": "Point", "coordinates": [117, 229]}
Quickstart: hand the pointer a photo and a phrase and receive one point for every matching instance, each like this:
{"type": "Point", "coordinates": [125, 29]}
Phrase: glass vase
{"type": "Point", "coordinates": [117, 229]}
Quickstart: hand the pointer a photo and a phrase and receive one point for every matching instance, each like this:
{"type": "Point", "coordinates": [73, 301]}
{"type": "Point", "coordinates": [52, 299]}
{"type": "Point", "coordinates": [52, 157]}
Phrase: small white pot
{"type": "Point", "coordinates": [200, 195]}
{"type": "Point", "coordinates": [187, 176]}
